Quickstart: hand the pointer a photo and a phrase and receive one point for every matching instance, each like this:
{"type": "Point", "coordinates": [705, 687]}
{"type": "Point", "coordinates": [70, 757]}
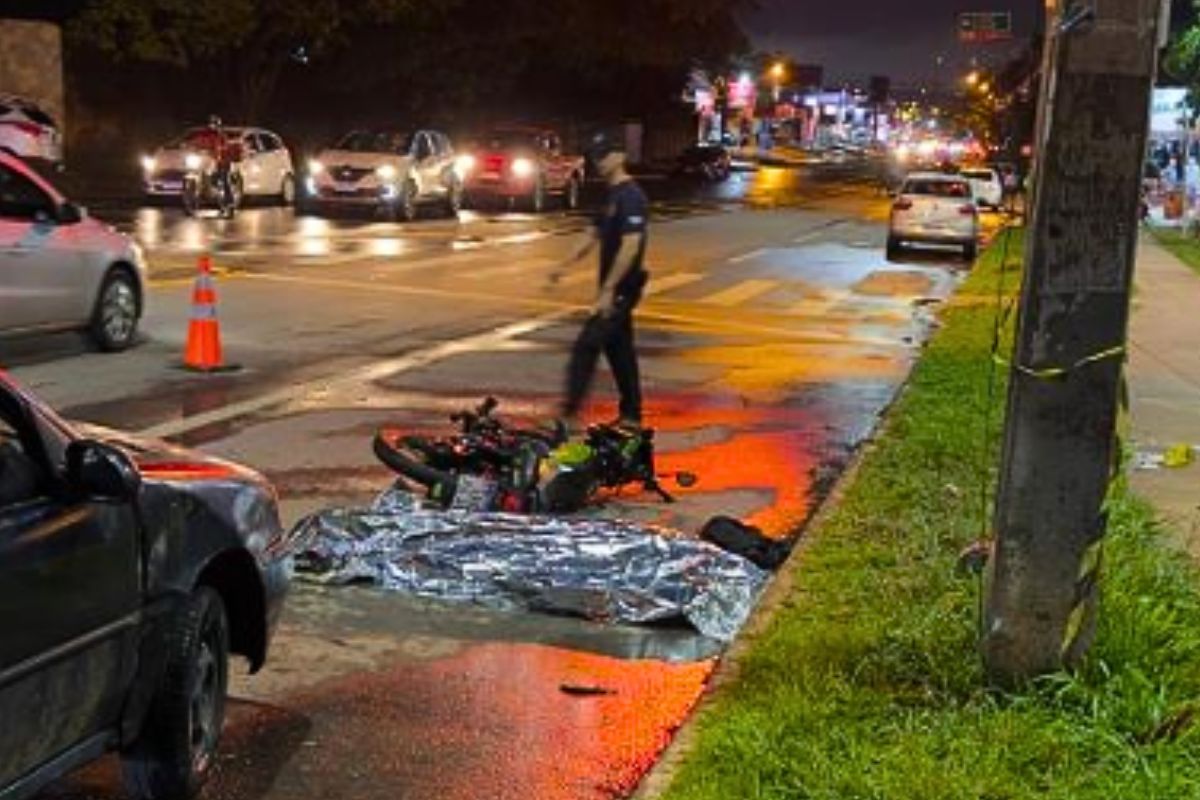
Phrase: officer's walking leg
{"type": "Point", "coordinates": [620, 350]}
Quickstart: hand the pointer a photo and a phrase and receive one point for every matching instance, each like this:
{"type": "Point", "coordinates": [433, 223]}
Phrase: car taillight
{"type": "Point", "coordinates": [903, 204]}
{"type": "Point", "coordinates": [968, 209]}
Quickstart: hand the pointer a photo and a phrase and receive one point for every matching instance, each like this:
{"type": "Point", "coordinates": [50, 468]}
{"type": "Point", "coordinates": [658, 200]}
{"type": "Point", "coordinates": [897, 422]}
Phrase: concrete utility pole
{"type": "Point", "coordinates": [1059, 443]}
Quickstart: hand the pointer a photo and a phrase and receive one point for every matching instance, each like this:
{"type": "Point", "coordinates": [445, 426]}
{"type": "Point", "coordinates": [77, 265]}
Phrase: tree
{"type": "Point", "coordinates": [1182, 62]}
{"type": "Point", "coordinates": [243, 44]}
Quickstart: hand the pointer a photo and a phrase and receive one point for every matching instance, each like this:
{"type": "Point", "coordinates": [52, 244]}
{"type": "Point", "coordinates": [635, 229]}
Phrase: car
{"type": "Point", "coordinates": [263, 165]}
{"type": "Point", "coordinates": [391, 171]}
{"type": "Point", "coordinates": [130, 570]}
{"type": "Point", "coordinates": [27, 131]}
{"type": "Point", "coordinates": [62, 269]}
{"type": "Point", "coordinates": [934, 208]}
{"type": "Point", "coordinates": [521, 165]}
{"type": "Point", "coordinates": [986, 186]}
{"type": "Point", "coordinates": [711, 162]}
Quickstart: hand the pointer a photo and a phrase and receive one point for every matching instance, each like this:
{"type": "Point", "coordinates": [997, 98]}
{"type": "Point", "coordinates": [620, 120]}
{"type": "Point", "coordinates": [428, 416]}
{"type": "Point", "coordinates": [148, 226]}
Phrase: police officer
{"type": "Point", "coordinates": [620, 234]}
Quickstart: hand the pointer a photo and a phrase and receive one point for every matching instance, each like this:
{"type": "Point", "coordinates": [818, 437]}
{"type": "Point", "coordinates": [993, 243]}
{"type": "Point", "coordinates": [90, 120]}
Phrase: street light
{"type": "Point", "coordinates": [777, 72]}
{"type": "Point", "coordinates": [972, 77]}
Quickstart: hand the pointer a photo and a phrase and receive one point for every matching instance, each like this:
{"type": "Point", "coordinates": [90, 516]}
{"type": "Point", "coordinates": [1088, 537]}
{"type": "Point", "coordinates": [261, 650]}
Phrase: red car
{"type": "Point", "coordinates": [520, 165]}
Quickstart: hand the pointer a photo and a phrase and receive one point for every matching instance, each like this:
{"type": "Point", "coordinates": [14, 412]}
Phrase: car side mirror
{"type": "Point", "coordinates": [101, 472]}
{"type": "Point", "coordinates": [70, 214]}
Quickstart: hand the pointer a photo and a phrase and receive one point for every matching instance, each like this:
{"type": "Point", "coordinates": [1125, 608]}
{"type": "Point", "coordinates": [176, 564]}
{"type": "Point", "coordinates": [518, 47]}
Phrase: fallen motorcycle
{"type": "Point", "coordinates": [489, 465]}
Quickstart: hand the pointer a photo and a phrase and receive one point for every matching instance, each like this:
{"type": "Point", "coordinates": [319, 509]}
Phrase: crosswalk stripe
{"type": "Point", "coordinates": [747, 256]}
{"type": "Point", "coordinates": [740, 293]}
{"type": "Point", "coordinates": [673, 281]}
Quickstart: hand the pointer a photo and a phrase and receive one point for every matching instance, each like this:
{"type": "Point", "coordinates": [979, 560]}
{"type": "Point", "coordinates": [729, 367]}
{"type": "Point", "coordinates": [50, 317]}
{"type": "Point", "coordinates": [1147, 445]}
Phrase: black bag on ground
{"type": "Point", "coordinates": [746, 541]}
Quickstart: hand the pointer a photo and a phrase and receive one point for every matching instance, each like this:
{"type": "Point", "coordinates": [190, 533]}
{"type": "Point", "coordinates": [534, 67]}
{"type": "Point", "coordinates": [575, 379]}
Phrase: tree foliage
{"type": "Point", "coordinates": [420, 54]}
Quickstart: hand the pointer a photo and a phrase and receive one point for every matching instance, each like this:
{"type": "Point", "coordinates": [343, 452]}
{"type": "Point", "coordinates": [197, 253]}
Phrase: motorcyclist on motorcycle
{"type": "Point", "coordinates": [215, 143]}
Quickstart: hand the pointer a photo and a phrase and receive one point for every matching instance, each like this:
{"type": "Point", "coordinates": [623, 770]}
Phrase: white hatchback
{"type": "Point", "coordinates": [934, 208]}
{"type": "Point", "coordinates": [262, 164]}
{"type": "Point", "coordinates": [986, 185]}
{"type": "Point", "coordinates": [61, 269]}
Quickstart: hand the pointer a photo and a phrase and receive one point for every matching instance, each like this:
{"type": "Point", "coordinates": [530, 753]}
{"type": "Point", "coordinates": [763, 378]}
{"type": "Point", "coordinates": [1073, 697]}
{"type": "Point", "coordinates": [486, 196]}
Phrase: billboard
{"type": "Point", "coordinates": [985, 26]}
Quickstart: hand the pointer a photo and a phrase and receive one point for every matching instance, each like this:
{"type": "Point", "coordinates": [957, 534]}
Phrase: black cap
{"type": "Point", "coordinates": [604, 144]}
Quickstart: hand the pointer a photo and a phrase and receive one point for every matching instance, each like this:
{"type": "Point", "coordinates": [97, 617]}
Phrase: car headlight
{"type": "Point", "coordinates": [149, 163]}
{"type": "Point", "coordinates": [522, 167]}
{"type": "Point", "coordinates": [464, 164]}
{"type": "Point", "coordinates": [193, 161]}
{"type": "Point", "coordinates": [387, 172]}
{"type": "Point", "coordinates": [315, 167]}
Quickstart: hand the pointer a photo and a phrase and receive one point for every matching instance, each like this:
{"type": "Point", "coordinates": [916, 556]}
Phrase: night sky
{"type": "Point", "coordinates": [854, 39]}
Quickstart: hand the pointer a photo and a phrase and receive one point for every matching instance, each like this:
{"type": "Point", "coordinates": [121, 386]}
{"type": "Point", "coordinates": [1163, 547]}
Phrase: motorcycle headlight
{"type": "Point", "coordinates": [464, 164]}
{"type": "Point", "coordinates": [149, 163]}
{"type": "Point", "coordinates": [315, 167]}
{"type": "Point", "coordinates": [387, 172]}
{"type": "Point", "coordinates": [522, 167]}
{"type": "Point", "coordinates": [193, 161]}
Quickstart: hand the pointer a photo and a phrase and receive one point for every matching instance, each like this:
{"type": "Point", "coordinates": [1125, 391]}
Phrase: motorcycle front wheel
{"type": "Point", "coordinates": [190, 196]}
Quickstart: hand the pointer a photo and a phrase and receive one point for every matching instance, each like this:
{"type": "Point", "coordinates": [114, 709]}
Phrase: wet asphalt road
{"type": "Point", "coordinates": [773, 335]}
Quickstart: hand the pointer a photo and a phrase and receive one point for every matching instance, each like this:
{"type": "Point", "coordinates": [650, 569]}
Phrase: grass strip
{"type": "Point", "coordinates": [1185, 247]}
{"type": "Point", "coordinates": [867, 683]}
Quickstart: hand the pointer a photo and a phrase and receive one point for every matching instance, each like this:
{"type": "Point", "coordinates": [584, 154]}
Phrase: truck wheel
{"type": "Point", "coordinates": [894, 247]}
{"type": "Point", "coordinates": [176, 749]}
{"type": "Point", "coordinates": [571, 194]}
{"type": "Point", "coordinates": [537, 198]}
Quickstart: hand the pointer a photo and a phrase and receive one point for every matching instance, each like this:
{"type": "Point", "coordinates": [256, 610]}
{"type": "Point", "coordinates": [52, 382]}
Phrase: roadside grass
{"type": "Point", "coordinates": [1186, 248]}
{"type": "Point", "coordinates": [867, 684]}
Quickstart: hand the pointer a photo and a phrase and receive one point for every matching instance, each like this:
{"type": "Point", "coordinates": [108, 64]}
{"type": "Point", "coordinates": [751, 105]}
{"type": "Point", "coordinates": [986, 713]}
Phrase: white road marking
{"type": "Point", "coordinates": [372, 372]}
{"type": "Point", "coordinates": [496, 338]}
{"type": "Point", "coordinates": [740, 293]}
{"type": "Point", "coordinates": [672, 281]}
{"type": "Point", "coordinates": [747, 256]}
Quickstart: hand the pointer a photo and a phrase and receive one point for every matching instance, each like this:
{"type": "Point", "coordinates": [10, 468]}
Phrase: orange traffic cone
{"type": "Point", "coordinates": [203, 352]}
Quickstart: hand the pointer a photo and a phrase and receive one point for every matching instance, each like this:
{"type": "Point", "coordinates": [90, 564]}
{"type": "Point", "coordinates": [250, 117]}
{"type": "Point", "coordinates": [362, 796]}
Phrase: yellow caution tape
{"type": "Point", "coordinates": [1178, 455]}
{"type": "Point", "coordinates": [1050, 373]}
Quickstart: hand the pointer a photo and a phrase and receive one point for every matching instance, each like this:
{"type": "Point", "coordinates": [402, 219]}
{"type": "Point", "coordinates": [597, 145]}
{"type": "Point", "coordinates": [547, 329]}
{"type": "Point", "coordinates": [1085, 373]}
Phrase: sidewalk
{"type": "Point", "coordinates": [1164, 382]}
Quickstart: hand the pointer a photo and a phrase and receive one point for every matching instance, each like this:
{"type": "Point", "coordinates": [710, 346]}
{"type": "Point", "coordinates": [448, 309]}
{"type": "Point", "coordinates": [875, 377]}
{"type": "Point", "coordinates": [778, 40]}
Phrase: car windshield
{"type": "Point", "coordinates": [38, 116]}
{"type": "Point", "coordinates": [978, 174]}
{"type": "Point", "coordinates": [375, 142]}
{"type": "Point", "coordinates": [937, 188]}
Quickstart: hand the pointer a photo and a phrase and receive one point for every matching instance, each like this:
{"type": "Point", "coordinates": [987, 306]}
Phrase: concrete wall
{"type": "Point", "coordinates": [31, 64]}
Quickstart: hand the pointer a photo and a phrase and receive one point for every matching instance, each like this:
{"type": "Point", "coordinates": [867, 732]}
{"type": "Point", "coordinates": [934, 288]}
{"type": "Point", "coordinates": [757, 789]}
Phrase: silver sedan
{"type": "Point", "coordinates": [61, 269]}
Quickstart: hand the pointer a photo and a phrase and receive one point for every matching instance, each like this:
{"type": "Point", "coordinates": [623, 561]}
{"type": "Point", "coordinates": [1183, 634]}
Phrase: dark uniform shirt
{"type": "Point", "coordinates": [625, 214]}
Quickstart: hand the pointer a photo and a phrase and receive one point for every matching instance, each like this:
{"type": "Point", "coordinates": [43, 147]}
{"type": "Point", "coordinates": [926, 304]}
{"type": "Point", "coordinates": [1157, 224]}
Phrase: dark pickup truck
{"type": "Point", "coordinates": [520, 166]}
{"type": "Point", "coordinates": [129, 571]}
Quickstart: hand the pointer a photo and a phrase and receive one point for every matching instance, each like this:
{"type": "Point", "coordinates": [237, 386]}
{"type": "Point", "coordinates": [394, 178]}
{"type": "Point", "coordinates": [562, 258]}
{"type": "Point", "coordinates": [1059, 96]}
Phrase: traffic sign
{"type": "Point", "coordinates": [985, 26]}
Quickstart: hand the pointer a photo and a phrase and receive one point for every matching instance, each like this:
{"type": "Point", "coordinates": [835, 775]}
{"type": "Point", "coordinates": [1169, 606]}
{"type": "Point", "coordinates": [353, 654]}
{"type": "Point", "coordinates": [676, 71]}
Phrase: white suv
{"type": "Point", "coordinates": [985, 183]}
{"type": "Point", "coordinates": [392, 171]}
{"type": "Point", "coordinates": [934, 208]}
{"type": "Point", "coordinates": [59, 268]}
{"type": "Point", "coordinates": [28, 131]}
